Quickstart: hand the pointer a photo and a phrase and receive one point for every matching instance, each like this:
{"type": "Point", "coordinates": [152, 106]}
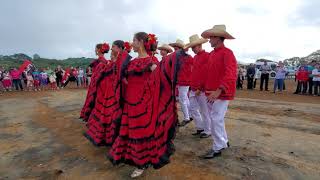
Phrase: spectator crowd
{"type": "Point", "coordinates": [307, 77]}
{"type": "Point", "coordinates": [33, 79]}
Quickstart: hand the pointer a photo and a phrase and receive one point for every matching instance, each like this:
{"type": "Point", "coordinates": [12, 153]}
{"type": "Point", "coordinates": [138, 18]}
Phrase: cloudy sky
{"type": "Point", "coordinates": [270, 29]}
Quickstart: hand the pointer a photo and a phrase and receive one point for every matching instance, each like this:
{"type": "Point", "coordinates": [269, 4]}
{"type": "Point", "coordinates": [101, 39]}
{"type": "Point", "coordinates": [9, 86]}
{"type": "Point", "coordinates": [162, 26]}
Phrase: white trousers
{"type": "Point", "coordinates": [184, 101]}
{"type": "Point", "coordinates": [199, 111]}
{"type": "Point", "coordinates": [217, 112]}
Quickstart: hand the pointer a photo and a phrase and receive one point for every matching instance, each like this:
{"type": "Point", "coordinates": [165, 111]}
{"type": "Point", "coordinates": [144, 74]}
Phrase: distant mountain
{"type": "Point", "coordinates": [314, 56]}
{"type": "Point", "coordinates": [19, 56]}
{"type": "Point", "coordinates": [17, 59]}
{"type": "Point", "coordinates": [296, 61]}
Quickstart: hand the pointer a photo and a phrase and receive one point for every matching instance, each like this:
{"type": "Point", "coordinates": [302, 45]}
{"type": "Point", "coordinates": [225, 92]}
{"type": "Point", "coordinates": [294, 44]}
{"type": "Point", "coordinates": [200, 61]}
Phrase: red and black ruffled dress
{"type": "Point", "coordinates": [103, 112]}
{"type": "Point", "coordinates": [92, 89]}
{"type": "Point", "coordinates": [148, 120]}
{"type": "Point", "coordinates": [106, 114]}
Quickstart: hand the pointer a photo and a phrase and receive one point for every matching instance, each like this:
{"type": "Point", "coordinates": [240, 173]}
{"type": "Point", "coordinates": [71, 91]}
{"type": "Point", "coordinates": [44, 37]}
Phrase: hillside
{"type": "Point", "coordinates": [17, 59]}
{"type": "Point", "coordinates": [295, 61]}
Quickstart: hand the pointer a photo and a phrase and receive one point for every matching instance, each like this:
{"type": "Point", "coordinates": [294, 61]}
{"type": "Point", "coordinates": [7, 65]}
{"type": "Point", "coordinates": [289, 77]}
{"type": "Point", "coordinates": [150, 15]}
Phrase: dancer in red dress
{"type": "Point", "coordinates": [105, 116]}
{"type": "Point", "coordinates": [148, 120]}
{"type": "Point", "coordinates": [101, 58]}
{"type": "Point", "coordinates": [100, 50]}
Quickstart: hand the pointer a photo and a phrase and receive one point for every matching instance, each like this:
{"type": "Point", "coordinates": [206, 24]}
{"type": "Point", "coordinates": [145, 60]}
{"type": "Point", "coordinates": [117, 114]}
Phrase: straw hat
{"type": "Point", "coordinates": [166, 47]}
{"type": "Point", "coordinates": [179, 43]}
{"type": "Point", "coordinates": [217, 30]}
{"type": "Point", "coordinates": [195, 40]}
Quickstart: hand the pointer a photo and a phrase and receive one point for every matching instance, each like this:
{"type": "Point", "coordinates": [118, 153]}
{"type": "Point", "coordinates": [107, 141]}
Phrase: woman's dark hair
{"type": "Point", "coordinates": [119, 43]}
{"type": "Point", "coordinates": [99, 46]}
{"type": "Point", "coordinates": [142, 36]}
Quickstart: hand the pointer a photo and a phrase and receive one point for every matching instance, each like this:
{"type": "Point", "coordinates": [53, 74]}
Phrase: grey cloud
{"type": "Point", "coordinates": [308, 14]}
{"type": "Point", "coordinates": [61, 29]}
{"type": "Point", "coordinates": [258, 55]}
{"type": "Point", "coordinates": [252, 11]}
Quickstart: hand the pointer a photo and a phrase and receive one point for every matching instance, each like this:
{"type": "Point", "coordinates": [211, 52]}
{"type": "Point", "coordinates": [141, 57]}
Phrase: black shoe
{"type": "Point", "coordinates": [211, 154]}
{"type": "Point", "coordinates": [197, 133]}
{"type": "Point", "coordinates": [228, 144]}
{"type": "Point", "coordinates": [184, 122]}
{"type": "Point", "coordinates": [204, 135]}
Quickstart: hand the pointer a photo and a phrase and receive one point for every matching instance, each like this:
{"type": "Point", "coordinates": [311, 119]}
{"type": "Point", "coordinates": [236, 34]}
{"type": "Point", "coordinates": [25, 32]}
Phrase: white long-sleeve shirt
{"type": "Point", "coordinates": [316, 74]}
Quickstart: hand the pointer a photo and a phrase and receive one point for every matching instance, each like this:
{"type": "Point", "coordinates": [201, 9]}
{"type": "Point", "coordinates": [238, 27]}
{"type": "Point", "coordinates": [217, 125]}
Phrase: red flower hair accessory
{"type": "Point", "coordinates": [127, 46]}
{"type": "Point", "coordinates": [152, 39]}
{"type": "Point", "coordinates": [105, 47]}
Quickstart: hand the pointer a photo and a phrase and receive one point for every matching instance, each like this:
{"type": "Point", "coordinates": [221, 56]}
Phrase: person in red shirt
{"type": "Point", "coordinates": [220, 86]}
{"type": "Point", "coordinates": [72, 77]}
{"type": "Point", "coordinates": [183, 80]}
{"type": "Point", "coordinates": [165, 52]}
{"type": "Point", "coordinates": [302, 76]}
{"type": "Point", "coordinates": [16, 78]}
{"type": "Point", "coordinates": [165, 49]}
{"type": "Point", "coordinates": [198, 101]}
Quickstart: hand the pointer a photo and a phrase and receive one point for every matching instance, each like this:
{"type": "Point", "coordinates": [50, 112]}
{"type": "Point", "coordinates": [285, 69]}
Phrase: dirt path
{"type": "Point", "coordinates": [41, 138]}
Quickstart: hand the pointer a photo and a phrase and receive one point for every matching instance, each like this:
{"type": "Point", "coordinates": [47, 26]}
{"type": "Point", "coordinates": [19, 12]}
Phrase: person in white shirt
{"type": "Point", "coordinates": [265, 71]}
{"type": "Point", "coordinates": [316, 79]}
{"type": "Point", "coordinates": [80, 77]}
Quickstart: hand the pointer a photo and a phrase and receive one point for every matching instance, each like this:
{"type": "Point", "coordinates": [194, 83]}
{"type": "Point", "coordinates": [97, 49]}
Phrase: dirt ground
{"type": "Point", "coordinates": [272, 136]}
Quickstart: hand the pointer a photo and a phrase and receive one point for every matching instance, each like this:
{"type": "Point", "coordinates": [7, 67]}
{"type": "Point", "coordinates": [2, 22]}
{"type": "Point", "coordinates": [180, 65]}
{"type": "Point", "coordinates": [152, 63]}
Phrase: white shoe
{"type": "Point", "coordinates": [137, 172]}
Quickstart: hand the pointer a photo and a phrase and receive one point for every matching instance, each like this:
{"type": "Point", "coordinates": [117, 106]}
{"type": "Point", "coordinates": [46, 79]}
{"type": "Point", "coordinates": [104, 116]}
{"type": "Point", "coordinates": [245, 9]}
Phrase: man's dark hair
{"type": "Point", "coordinates": [222, 38]}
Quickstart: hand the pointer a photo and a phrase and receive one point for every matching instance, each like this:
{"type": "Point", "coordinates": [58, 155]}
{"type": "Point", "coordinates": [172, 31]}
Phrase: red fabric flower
{"type": "Point", "coordinates": [152, 39]}
{"type": "Point", "coordinates": [127, 46]}
{"type": "Point", "coordinates": [105, 47]}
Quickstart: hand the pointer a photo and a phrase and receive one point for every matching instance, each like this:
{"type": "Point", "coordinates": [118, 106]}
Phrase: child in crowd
{"type": "Point", "coordinates": [7, 81]}
{"type": "Point", "coordinates": [52, 80]}
{"type": "Point", "coordinates": [44, 79]}
{"type": "Point", "coordinates": [30, 81]}
{"type": "Point", "coordinates": [36, 80]}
